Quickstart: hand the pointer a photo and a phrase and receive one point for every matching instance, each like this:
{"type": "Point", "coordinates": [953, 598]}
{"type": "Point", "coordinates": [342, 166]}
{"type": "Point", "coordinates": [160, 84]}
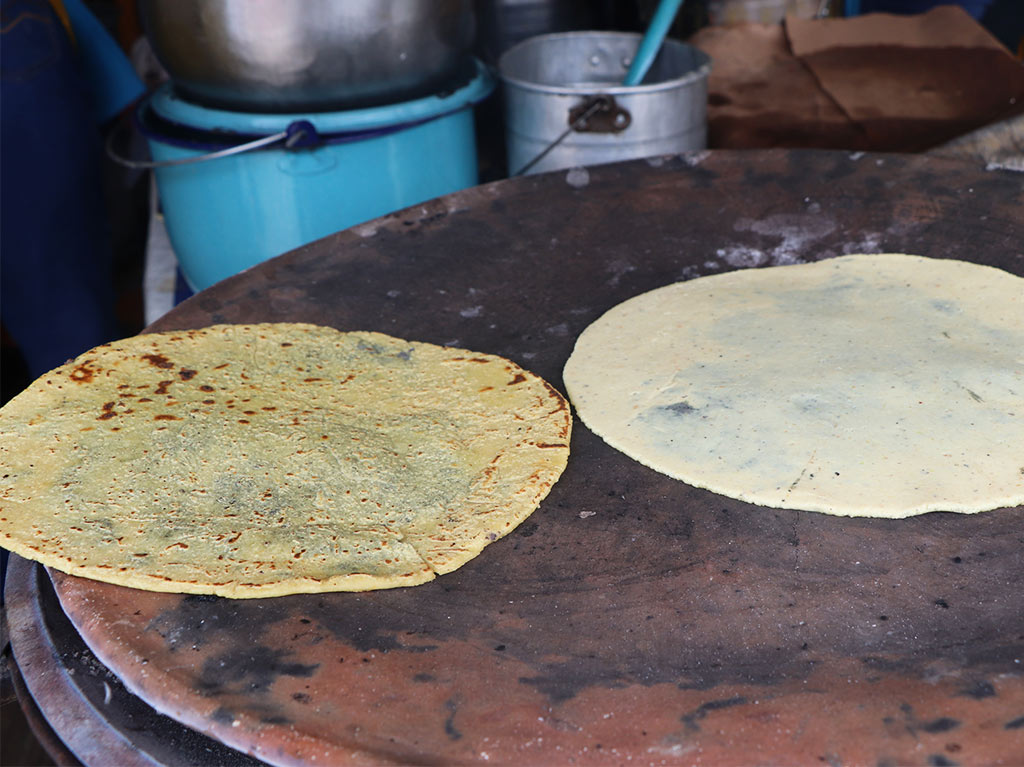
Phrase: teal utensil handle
{"type": "Point", "coordinates": [664, 15]}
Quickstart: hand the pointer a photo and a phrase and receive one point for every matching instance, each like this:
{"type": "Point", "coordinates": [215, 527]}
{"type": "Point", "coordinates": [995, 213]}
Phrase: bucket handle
{"type": "Point", "coordinates": [300, 133]}
{"type": "Point", "coordinates": [578, 121]}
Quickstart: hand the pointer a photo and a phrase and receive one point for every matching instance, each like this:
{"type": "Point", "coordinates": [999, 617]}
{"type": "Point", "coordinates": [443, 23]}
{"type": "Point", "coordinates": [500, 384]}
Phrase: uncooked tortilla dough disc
{"type": "Point", "coordinates": [882, 385]}
{"type": "Point", "coordinates": [261, 460]}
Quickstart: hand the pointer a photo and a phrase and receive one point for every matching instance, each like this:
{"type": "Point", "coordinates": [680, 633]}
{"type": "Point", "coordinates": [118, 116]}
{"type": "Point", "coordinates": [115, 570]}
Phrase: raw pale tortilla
{"type": "Point", "coordinates": [260, 460]}
{"type": "Point", "coordinates": [882, 385]}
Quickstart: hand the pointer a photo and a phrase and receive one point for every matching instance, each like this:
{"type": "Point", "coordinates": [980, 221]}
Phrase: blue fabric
{"type": "Point", "coordinates": [56, 291]}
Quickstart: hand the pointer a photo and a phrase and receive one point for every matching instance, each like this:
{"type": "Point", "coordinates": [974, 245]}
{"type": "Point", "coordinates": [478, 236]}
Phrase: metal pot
{"type": "Point", "coordinates": [565, 104]}
{"type": "Point", "coordinates": [293, 55]}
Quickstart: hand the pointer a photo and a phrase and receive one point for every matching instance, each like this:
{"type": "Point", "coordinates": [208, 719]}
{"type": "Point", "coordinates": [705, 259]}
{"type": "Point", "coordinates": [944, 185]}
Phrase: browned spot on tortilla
{"type": "Point", "coordinates": [548, 444]}
{"type": "Point", "coordinates": [310, 380]}
{"type": "Point", "coordinates": [162, 387]}
{"type": "Point", "coordinates": [186, 375]}
{"type": "Point", "coordinates": [221, 367]}
{"type": "Point", "coordinates": [165, 417]}
{"type": "Point", "coordinates": [482, 360]}
{"type": "Point", "coordinates": [242, 420]}
{"type": "Point", "coordinates": [158, 361]}
{"type": "Point", "coordinates": [108, 405]}
{"type": "Point", "coordinates": [145, 399]}
{"type": "Point", "coordinates": [82, 373]}
{"type": "Point", "coordinates": [556, 395]}
{"type": "Point", "coordinates": [517, 379]}
{"type": "Point", "coordinates": [205, 387]}
{"type": "Point", "coordinates": [107, 414]}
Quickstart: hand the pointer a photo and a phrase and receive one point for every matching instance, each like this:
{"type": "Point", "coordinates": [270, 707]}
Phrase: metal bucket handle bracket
{"type": "Point", "coordinates": [599, 114]}
{"type": "Point", "coordinates": [594, 114]}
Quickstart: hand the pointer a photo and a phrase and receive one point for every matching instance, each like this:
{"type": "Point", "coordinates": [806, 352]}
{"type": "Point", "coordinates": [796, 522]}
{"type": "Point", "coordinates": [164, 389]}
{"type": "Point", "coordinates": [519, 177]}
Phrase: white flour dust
{"type": "Point", "coordinates": [794, 230]}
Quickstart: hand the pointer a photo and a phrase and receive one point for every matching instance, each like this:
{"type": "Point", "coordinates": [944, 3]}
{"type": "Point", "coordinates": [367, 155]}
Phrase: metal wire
{"type": "Point", "coordinates": [233, 150]}
{"type": "Point", "coordinates": [587, 114]}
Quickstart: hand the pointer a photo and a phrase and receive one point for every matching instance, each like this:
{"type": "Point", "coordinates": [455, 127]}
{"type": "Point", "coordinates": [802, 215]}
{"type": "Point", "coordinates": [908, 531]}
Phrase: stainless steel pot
{"type": "Point", "coordinates": [297, 55]}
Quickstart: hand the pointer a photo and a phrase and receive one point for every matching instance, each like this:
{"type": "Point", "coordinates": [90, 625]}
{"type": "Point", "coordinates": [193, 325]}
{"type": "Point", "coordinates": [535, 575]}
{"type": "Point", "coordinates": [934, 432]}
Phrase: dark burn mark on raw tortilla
{"type": "Point", "coordinates": [158, 361]}
{"type": "Point", "coordinates": [678, 408]}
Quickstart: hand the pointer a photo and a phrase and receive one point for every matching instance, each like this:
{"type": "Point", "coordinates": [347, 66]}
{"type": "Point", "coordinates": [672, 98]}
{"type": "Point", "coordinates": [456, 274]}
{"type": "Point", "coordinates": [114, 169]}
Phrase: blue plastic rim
{"type": "Point", "coordinates": [223, 127]}
{"type": "Point", "coordinates": [227, 214]}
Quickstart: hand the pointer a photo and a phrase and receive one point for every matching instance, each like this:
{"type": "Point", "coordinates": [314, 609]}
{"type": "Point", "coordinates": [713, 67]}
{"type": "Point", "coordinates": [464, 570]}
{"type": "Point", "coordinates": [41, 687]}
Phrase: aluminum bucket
{"type": "Point", "coordinates": [570, 83]}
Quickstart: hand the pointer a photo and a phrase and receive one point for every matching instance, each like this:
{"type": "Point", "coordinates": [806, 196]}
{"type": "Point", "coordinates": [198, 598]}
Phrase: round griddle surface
{"type": "Point", "coordinates": [632, 618]}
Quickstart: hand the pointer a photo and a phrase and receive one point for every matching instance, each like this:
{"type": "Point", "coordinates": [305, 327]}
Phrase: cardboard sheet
{"type": "Point", "coordinates": [875, 82]}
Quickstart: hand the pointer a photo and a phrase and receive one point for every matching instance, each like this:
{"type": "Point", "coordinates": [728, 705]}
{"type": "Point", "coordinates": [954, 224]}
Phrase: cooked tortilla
{"type": "Point", "coordinates": [261, 460]}
{"type": "Point", "coordinates": [882, 385]}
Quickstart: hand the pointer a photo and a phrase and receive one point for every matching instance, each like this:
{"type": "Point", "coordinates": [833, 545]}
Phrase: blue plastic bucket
{"type": "Point", "coordinates": [331, 170]}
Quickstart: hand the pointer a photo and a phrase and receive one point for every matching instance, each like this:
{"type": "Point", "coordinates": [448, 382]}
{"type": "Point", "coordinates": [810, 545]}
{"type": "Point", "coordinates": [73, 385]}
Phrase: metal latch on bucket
{"type": "Point", "coordinates": [599, 114]}
{"type": "Point", "coordinates": [595, 114]}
